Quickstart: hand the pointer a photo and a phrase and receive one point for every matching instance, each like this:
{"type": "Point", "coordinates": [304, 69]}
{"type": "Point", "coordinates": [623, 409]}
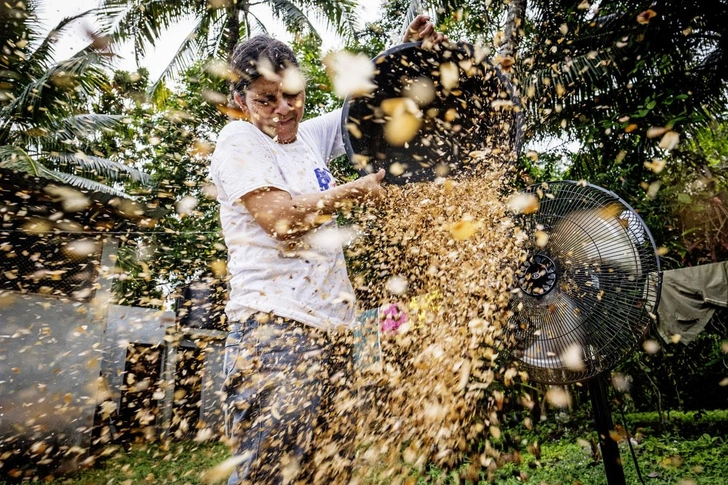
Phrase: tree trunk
{"type": "Point", "coordinates": [233, 28]}
{"type": "Point", "coordinates": [513, 29]}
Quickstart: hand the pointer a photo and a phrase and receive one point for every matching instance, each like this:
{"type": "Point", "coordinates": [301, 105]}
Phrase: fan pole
{"type": "Point", "coordinates": [604, 425]}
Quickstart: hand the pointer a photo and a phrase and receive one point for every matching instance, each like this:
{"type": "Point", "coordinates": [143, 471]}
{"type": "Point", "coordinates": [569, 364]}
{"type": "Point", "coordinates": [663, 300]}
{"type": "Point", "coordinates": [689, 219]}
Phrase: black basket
{"type": "Point", "coordinates": [480, 113]}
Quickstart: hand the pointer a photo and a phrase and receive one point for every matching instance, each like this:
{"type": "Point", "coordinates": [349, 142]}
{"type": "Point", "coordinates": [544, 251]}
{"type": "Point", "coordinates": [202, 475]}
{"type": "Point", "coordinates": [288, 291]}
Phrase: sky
{"type": "Point", "coordinates": [52, 11]}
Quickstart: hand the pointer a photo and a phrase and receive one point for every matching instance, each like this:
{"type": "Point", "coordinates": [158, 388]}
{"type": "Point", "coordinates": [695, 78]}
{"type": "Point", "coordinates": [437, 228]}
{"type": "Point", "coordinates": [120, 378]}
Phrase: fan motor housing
{"type": "Point", "coordinates": [537, 275]}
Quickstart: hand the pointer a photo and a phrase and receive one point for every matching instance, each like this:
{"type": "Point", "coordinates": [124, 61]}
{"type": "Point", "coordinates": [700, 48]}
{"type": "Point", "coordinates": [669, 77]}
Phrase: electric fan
{"type": "Point", "coordinates": [587, 292]}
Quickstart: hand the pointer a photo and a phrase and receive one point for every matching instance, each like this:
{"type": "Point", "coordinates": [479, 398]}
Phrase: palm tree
{"type": "Point", "coordinates": [219, 24]}
{"type": "Point", "coordinates": [607, 75]}
{"type": "Point", "coordinates": [41, 126]}
{"type": "Point", "coordinates": [604, 72]}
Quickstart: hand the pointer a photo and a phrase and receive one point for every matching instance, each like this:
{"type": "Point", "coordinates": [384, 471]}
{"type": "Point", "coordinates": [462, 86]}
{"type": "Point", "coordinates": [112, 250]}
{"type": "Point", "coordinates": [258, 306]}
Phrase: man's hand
{"type": "Point", "coordinates": [368, 189]}
{"type": "Point", "coordinates": [422, 29]}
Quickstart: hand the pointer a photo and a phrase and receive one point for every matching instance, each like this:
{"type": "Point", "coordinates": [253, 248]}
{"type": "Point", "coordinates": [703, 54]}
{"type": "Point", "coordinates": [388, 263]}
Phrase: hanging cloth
{"type": "Point", "coordinates": [689, 298]}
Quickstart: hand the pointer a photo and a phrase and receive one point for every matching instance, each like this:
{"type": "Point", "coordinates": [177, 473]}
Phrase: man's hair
{"type": "Point", "coordinates": [249, 54]}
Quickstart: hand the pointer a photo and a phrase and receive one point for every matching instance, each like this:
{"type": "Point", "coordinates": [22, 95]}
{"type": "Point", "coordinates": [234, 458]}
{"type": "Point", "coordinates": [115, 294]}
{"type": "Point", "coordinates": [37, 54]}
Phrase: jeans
{"type": "Point", "coordinates": [277, 388]}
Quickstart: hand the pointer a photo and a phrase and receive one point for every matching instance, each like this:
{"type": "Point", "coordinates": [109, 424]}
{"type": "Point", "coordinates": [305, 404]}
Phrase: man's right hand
{"type": "Point", "coordinates": [368, 189]}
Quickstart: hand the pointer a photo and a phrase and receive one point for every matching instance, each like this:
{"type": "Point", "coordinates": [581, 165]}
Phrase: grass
{"type": "Point", "coordinates": [665, 455]}
{"type": "Point", "coordinates": [179, 463]}
{"type": "Point", "coordinates": [687, 424]}
{"type": "Point", "coordinates": [662, 461]}
{"type": "Point", "coordinates": [668, 452]}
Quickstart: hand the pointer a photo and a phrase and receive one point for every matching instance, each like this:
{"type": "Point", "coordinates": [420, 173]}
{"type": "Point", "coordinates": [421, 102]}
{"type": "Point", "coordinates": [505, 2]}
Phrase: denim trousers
{"type": "Point", "coordinates": [277, 390]}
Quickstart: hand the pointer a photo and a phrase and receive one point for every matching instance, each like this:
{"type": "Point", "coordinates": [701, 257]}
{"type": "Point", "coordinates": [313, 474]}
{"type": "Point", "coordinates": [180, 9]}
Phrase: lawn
{"type": "Point", "coordinates": [678, 452]}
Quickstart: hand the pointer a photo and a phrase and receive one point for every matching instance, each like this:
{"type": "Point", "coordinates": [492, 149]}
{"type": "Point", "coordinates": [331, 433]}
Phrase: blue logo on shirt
{"type": "Point", "coordinates": [324, 178]}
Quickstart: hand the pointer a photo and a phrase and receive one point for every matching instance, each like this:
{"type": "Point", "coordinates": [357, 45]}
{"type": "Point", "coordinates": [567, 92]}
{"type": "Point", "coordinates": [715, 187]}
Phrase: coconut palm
{"type": "Point", "coordinates": [666, 44]}
{"type": "Point", "coordinates": [604, 72]}
{"type": "Point", "coordinates": [42, 120]}
{"type": "Point", "coordinates": [607, 75]}
{"type": "Point", "coordinates": [219, 24]}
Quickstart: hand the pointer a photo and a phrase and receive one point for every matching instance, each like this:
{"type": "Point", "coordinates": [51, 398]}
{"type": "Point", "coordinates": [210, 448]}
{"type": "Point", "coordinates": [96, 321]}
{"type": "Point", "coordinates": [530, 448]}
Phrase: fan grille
{"type": "Point", "coordinates": [589, 288]}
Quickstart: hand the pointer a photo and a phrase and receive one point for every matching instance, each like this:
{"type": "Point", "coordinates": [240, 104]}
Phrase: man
{"type": "Point", "coordinates": [289, 293]}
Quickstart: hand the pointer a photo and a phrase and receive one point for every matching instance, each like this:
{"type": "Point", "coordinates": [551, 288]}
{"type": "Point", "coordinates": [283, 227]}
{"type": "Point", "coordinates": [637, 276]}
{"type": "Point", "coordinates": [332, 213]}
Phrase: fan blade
{"type": "Point", "coordinates": [597, 236]}
{"type": "Point", "coordinates": [557, 327]}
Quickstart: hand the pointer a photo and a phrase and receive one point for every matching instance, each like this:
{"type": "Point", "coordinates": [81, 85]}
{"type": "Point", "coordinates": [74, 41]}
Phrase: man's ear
{"type": "Point", "coordinates": [241, 102]}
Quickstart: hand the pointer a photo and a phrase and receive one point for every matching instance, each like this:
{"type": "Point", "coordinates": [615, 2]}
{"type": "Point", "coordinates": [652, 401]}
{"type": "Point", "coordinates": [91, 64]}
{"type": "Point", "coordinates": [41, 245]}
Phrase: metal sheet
{"type": "Point", "coordinates": [49, 369]}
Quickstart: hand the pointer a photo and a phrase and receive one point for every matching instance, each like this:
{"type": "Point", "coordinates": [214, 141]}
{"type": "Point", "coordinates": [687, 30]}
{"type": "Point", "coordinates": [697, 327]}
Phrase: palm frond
{"type": "Point", "coordinates": [144, 21]}
{"type": "Point", "coordinates": [257, 27]}
{"type": "Point", "coordinates": [294, 19]}
{"type": "Point", "coordinates": [102, 167]}
{"type": "Point", "coordinates": [341, 16]}
{"type": "Point", "coordinates": [42, 56]}
{"type": "Point", "coordinates": [17, 159]}
{"type": "Point", "coordinates": [85, 125]}
{"type": "Point", "coordinates": [87, 184]}
{"type": "Point", "coordinates": [576, 75]}
{"type": "Point", "coordinates": [190, 51]}
{"type": "Point", "coordinates": [15, 24]}
{"type": "Point", "coordinates": [81, 70]}
{"type": "Point", "coordinates": [217, 38]}
{"type": "Point", "coordinates": [297, 16]}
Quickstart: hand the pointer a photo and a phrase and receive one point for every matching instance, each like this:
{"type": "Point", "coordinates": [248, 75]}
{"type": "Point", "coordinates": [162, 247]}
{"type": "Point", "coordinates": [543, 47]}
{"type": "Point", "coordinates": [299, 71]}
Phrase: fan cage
{"type": "Point", "coordinates": [606, 290]}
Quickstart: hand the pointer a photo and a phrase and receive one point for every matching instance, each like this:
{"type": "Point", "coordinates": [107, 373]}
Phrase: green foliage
{"type": "Point", "coordinates": [546, 167]}
{"type": "Point", "coordinates": [688, 424]}
{"type": "Point", "coordinates": [694, 193]}
{"type": "Point", "coordinates": [169, 463]}
{"type": "Point", "coordinates": [670, 378]}
{"type": "Point", "coordinates": [46, 127]}
{"type": "Point", "coordinates": [571, 457]}
{"type": "Point", "coordinates": [173, 144]}
{"type": "Point", "coordinates": [320, 98]}
{"type": "Point", "coordinates": [688, 209]}
{"type": "Point", "coordinates": [607, 69]}
{"type": "Point", "coordinates": [603, 78]}
{"type": "Point", "coordinates": [384, 32]}
{"type": "Point", "coordinates": [664, 458]}
{"type": "Point", "coordinates": [218, 25]}
{"type": "Point", "coordinates": [475, 22]}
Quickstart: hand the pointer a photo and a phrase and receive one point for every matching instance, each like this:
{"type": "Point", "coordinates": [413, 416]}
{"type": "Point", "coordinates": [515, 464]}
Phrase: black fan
{"type": "Point", "coordinates": [589, 289]}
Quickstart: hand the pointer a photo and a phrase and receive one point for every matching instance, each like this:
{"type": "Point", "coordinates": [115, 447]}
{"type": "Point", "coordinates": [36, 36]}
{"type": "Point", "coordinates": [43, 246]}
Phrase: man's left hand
{"type": "Point", "coordinates": [423, 29]}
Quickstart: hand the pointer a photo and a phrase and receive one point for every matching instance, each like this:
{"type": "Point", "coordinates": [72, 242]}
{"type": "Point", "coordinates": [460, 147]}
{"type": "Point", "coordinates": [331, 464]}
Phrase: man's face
{"type": "Point", "coordinates": [273, 111]}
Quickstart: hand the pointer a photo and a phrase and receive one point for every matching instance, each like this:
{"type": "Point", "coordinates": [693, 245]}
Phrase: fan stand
{"type": "Point", "coordinates": [604, 425]}
{"type": "Point", "coordinates": [541, 271]}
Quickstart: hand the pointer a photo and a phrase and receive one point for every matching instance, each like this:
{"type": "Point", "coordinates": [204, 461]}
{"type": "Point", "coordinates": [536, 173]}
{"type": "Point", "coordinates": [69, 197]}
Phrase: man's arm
{"type": "Point", "coordinates": [284, 217]}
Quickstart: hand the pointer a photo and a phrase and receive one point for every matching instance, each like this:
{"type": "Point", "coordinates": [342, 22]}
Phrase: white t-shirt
{"type": "Point", "coordinates": [304, 282]}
